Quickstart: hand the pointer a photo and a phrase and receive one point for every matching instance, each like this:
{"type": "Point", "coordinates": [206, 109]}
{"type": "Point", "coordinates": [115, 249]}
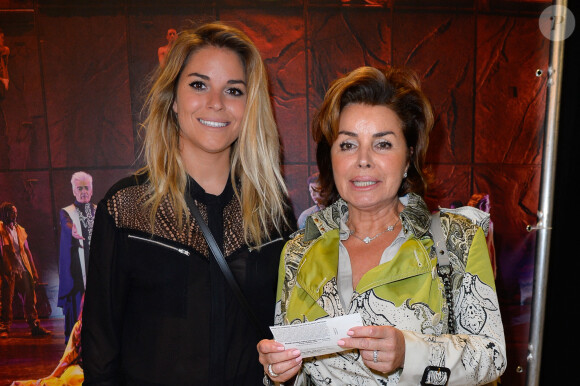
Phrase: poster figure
{"type": "Point", "coordinates": [4, 53]}
{"type": "Point", "coordinates": [162, 51]}
{"type": "Point", "coordinates": [17, 273]}
{"type": "Point", "coordinates": [76, 228]}
{"type": "Point", "coordinates": [4, 83]}
{"type": "Point", "coordinates": [69, 369]}
{"type": "Point", "coordinates": [314, 190]}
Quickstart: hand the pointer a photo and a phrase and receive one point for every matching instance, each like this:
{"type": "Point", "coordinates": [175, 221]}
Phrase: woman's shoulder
{"type": "Point", "coordinates": [296, 238]}
{"type": "Point", "coordinates": [127, 185]}
{"type": "Point", "coordinates": [465, 217]}
{"type": "Point", "coordinates": [296, 246]}
{"type": "Point", "coordinates": [124, 200]}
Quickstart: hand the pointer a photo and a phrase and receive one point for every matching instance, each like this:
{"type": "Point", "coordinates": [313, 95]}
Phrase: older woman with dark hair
{"type": "Point", "coordinates": [372, 251]}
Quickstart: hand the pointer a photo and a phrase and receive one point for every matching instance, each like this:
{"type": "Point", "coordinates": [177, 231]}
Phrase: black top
{"type": "Point", "coordinates": [157, 308]}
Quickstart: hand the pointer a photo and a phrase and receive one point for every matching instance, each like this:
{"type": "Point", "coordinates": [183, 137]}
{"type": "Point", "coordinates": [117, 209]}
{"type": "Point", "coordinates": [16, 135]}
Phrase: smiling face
{"type": "Point", "coordinates": [369, 156]}
{"type": "Point", "coordinates": [210, 101]}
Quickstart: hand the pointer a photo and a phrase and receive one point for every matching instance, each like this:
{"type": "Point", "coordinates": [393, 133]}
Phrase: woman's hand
{"type": "Point", "coordinates": [279, 364]}
{"type": "Point", "coordinates": [382, 347]}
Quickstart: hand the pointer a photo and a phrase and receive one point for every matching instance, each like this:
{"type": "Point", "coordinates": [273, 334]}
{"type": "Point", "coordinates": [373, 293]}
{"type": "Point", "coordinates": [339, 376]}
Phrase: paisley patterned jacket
{"type": "Point", "coordinates": [406, 293]}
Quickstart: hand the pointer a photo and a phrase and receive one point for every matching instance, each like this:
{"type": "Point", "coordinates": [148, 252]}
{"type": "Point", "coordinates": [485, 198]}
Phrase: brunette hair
{"type": "Point", "coordinates": [255, 155]}
{"type": "Point", "coordinates": [397, 89]}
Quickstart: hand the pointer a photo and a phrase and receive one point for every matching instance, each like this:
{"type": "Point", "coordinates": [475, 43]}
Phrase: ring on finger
{"type": "Point", "coordinates": [271, 372]}
{"type": "Point", "coordinates": [376, 356]}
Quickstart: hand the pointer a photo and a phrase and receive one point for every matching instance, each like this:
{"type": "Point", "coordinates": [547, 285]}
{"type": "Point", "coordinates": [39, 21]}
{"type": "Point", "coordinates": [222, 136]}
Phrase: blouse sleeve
{"type": "Point", "coordinates": [104, 303]}
{"type": "Point", "coordinates": [476, 354]}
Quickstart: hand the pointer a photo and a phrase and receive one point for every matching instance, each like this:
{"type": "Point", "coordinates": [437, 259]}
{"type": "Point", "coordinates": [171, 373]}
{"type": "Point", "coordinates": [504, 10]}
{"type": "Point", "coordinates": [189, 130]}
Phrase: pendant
{"type": "Point", "coordinates": [367, 240]}
{"type": "Point", "coordinates": [390, 228]}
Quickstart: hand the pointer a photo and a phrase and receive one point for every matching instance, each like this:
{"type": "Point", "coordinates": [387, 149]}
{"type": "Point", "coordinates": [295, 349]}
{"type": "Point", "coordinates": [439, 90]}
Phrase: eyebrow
{"type": "Point", "coordinates": [205, 77]}
{"type": "Point", "coordinates": [375, 135]}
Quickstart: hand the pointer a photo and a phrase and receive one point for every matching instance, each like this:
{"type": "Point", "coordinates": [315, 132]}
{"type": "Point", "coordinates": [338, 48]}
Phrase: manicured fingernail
{"type": "Point", "coordinates": [280, 348]}
{"type": "Point", "coordinates": [340, 342]}
{"type": "Point", "coordinates": [296, 352]}
{"type": "Point", "coordinates": [350, 333]}
{"type": "Point", "coordinates": [299, 360]}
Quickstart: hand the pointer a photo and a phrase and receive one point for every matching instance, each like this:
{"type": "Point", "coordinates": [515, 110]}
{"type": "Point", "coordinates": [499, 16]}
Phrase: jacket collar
{"type": "Point", "coordinates": [319, 265]}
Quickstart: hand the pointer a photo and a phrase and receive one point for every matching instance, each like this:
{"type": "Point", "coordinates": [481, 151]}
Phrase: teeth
{"type": "Point", "coordinates": [213, 124]}
{"type": "Point", "coordinates": [364, 183]}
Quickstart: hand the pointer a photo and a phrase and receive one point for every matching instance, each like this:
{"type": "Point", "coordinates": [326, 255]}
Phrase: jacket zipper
{"type": "Point", "coordinates": [262, 245]}
{"type": "Point", "coordinates": [180, 250]}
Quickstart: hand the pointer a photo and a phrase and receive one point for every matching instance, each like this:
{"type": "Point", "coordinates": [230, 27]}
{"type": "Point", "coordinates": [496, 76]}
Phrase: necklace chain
{"type": "Point", "coordinates": [368, 239]}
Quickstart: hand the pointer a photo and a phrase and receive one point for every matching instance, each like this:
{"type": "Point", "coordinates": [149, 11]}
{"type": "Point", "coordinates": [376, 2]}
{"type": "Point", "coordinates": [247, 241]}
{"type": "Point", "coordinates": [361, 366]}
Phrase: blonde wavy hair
{"type": "Point", "coordinates": [255, 156]}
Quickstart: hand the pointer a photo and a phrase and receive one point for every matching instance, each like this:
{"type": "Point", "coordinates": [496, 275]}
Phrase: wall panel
{"type": "Point", "coordinates": [509, 98]}
{"type": "Point", "coordinates": [23, 144]}
{"type": "Point", "coordinates": [439, 46]}
{"type": "Point", "coordinates": [88, 100]}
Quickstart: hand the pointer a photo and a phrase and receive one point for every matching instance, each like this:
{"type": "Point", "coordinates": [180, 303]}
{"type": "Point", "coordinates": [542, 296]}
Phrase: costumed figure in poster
{"type": "Point", "coordinates": [76, 228]}
{"type": "Point", "coordinates": [4, 83]}
{"type": "Point", "coordinates": [163, 50]}
{"type": "Point", "coordinates": [314, 190]}
{"type": "Point", "coordinates": [69, 371]}
{"type": "Point", "coordinates": [17, 271]}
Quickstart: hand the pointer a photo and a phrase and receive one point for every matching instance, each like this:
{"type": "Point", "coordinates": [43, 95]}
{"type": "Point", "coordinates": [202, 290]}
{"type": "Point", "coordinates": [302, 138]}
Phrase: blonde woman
{"type": "Point", "coordinates": [158, 309]}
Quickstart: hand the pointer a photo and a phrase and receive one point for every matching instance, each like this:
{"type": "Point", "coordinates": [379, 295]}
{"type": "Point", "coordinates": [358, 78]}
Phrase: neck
{"type": "Point", "coordinates": [372, 222]}
{"type": "Point", "coordinates": [210, 171]}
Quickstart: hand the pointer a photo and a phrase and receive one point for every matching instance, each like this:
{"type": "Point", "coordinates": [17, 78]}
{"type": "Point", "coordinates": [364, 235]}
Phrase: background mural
{"type": "Point", "coordinates": [78, 71]}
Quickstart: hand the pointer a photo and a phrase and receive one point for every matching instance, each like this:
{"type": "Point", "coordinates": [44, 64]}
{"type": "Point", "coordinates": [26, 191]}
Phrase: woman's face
{"type": "Point", "coordinates": [369, 156]}
{"type": "Point", "coordinates": [210, 101]}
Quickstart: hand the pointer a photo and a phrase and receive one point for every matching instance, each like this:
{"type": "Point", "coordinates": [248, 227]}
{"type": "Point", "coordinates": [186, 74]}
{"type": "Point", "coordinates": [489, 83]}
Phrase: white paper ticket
{"type": "Point", "coordinates": [318, 337]}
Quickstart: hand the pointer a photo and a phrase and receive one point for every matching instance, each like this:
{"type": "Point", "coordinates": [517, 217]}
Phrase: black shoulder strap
{"type": "Point", "coordinates": [222, 263]}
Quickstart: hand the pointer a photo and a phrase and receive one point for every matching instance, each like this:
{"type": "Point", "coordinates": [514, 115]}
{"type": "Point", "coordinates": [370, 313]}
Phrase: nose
{"type": "Point", "coordinates": [215, 101]}
{"type": "Point", "coordinates": [364, 159]}
{"type": "Point", "coordinates": [363, 165]}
